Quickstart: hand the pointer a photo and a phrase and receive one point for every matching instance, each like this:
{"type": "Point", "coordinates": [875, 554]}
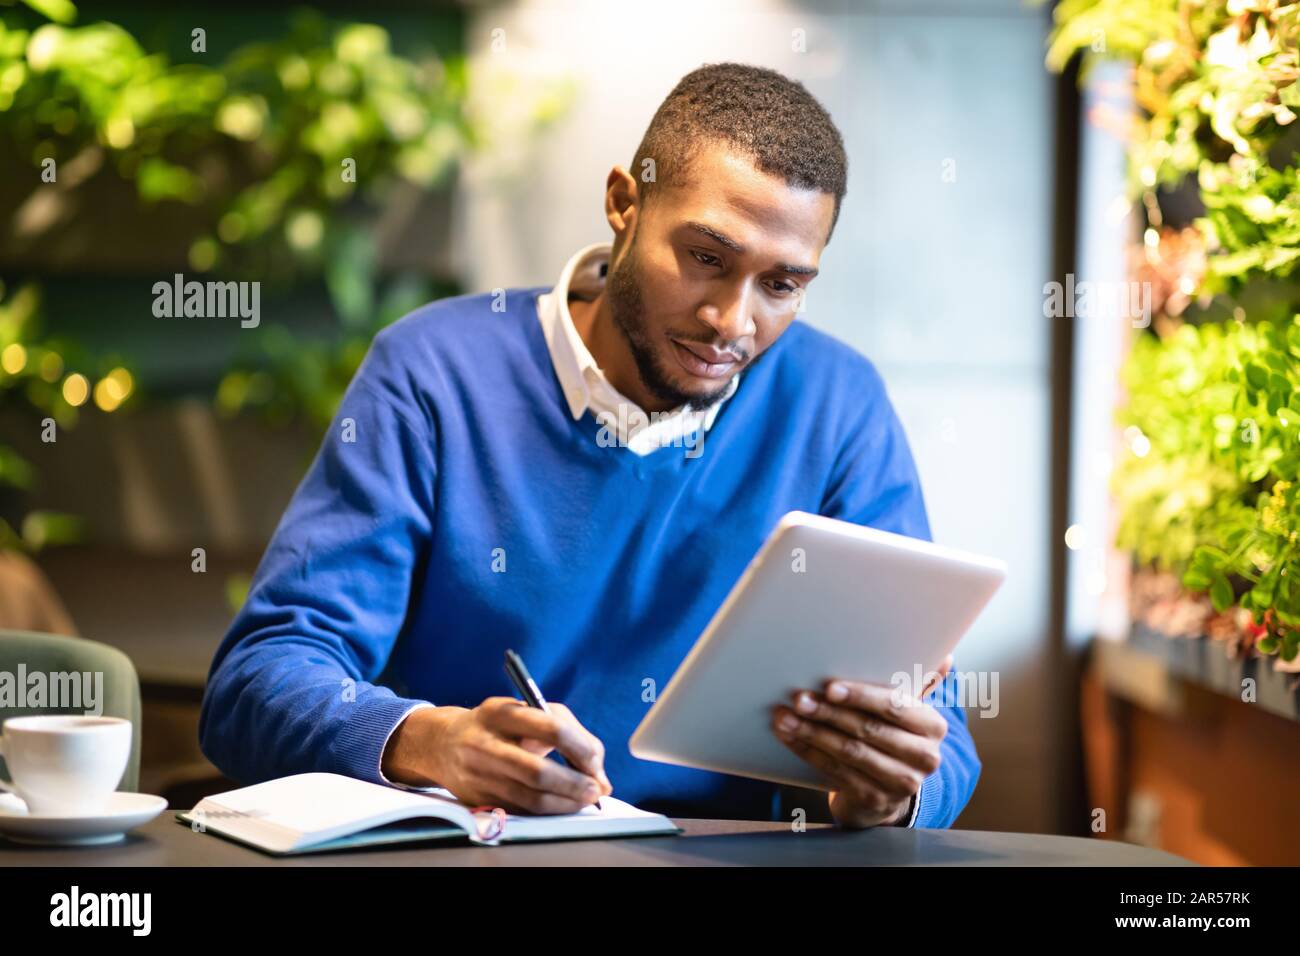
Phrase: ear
{"type": "Point", "coordinates": [622, 202]}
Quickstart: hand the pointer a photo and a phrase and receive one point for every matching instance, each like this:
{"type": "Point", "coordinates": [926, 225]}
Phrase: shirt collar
{"type": "Point", "coordinates": [585, 385]}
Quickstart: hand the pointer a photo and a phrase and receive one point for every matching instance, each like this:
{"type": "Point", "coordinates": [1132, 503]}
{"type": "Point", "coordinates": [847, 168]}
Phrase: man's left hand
{"type": "Point", "coordinates": [876, 746]}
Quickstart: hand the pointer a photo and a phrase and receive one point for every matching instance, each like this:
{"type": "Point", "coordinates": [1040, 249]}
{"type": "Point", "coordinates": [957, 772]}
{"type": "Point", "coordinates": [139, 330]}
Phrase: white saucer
{"type": "Point", "coordinates": [124, 811]}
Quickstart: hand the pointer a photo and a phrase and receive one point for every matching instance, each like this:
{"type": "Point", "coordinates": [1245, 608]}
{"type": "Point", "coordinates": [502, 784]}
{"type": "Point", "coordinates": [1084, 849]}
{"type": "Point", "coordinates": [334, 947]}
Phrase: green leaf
{"type": "Point", "coordinates": [60, 11]}
{"type": "Point", "coordinates": [41, 528]}
{"type": "Point", "coordinates": [1237, 263]}
{"type": "Point", "coordinates": [237, 587]}
{"type": "Point", "coordinates": [1277, 362]}
{"type": "Point", "coordinates": [1257, 376]}
{"type": "Point", "coordinates": [350, 277]}
{"type": "Point", "coordinates": [14, 470]}
{"type": "Point", "coordinates": [1262, 593]}
{"type": "Point", "coordinates": [1288, 466]}
{"type": "Point", "coordinates": [1221, 593]}
{"type": "Point", "coordinates": [158, 179]}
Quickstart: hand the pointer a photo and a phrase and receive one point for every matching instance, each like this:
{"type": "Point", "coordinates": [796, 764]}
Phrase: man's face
{"type": "Point", "coordinates": [713, 274]}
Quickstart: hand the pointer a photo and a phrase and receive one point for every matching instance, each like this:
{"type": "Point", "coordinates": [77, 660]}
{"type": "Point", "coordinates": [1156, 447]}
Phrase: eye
{"type": "Point", "coordinates": [783, 288]}
{"type": "Point", "coordinates": [705, 258]}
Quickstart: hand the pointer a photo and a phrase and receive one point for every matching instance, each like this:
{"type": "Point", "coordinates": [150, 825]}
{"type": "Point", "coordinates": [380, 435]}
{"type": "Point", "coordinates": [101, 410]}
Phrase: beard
{"type": "Point", "coordinates": [623, 290]}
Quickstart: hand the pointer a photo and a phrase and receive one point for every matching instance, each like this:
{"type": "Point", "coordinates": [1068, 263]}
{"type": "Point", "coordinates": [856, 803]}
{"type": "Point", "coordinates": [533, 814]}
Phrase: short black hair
{"type": "Point", "coordinates": [769, 117]}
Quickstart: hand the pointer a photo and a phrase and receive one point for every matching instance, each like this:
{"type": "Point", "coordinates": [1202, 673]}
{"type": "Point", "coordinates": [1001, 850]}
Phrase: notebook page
{"type": "Point", "coordinates": [316, 805]}
{"type": "Point", "coordinates": [614, 818]}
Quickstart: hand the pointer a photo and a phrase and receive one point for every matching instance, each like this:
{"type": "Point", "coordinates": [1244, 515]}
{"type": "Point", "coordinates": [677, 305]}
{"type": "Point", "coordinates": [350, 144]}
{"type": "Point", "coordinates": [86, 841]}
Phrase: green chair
{"type": "Point", "coordinates": [55, 653]}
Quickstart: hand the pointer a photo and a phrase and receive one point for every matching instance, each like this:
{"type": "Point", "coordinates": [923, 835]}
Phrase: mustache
{"type": "Point", "coordinates": [741, 355]}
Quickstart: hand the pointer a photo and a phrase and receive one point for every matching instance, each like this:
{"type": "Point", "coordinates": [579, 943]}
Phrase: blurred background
{"type": "Point", "coordinates": [1132, 458]}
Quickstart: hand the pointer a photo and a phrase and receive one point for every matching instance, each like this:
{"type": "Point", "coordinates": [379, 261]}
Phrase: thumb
{"type": "Point", "coordinates": [943, 672]}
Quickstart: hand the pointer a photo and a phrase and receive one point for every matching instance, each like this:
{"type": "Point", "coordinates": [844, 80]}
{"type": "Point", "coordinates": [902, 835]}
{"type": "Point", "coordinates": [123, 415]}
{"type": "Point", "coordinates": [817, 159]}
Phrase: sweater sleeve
{"type": "Point", "coordinates": [292, 688]}
{"type": "Point", "coordinates": [945, 793]}
{"type": "Point", "coordinates": [874, 482]}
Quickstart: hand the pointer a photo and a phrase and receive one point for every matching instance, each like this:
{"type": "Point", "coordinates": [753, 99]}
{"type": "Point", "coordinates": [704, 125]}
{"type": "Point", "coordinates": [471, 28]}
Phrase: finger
{"type": "Point", "coordinates": [533, 746]}
{"type": "Point", "coordinates": [915, 750]}
{"type": "Point", "coordinates": [814, 757]}
{"type": "Point", "coordinates": [537, 773]}
{"type": "Point", "coordinates": [515, 719]}
{"type": "Point", "coordinates": [890, 774]}
{"type": "Point", "coordinates": [944, 669]}
{"type": "Point", "coordinates": [516, 797]}
{"type": "Point", "coordinates": [886, 702]}
{"type": "Point", "coordinates": [580, 746]}
{"type": "Point", "coordinates": [865, 791]}
{"type": "Point", "coordinates": [559, 729]}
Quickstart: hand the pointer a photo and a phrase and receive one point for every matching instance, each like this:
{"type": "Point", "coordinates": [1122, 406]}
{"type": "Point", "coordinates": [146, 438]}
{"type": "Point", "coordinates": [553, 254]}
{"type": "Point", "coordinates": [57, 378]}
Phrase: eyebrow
{"type": "Point", "coordinates": [734, 246]}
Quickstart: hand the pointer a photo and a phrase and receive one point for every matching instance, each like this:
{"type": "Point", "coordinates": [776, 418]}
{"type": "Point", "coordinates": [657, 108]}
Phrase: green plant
{"type": "Point", "coordinates": [1210, 484]}
{"type": "Point", "coordinates": [266, 146]}
{"type": "Point", "coordinates": [1209, 487]}
{"type": "Point", "coordinates": [281, 153]}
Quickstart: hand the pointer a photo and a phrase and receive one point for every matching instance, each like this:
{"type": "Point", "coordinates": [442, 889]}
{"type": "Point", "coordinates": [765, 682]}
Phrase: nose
{"type": "Point", "coordinates": [729, 314]}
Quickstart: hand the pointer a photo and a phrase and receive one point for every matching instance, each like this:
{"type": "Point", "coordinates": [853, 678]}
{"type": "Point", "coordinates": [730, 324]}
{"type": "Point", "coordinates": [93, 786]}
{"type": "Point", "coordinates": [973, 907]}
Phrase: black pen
{"type": "Point", "coordinates": [527, 687]}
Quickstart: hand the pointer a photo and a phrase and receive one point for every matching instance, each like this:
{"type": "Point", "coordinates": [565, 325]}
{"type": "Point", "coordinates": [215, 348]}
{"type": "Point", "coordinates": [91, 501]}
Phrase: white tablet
{"type": "Point", "coordinates": [821, 599]}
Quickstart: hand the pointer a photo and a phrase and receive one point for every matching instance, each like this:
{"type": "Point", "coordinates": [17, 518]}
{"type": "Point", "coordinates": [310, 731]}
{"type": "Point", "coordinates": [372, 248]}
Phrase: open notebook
{"type": "Point", "coordinates": [311, 812]}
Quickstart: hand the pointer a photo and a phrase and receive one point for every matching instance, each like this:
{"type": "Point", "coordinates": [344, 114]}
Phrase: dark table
{"type": "Point", "coordinates": [164, 842]}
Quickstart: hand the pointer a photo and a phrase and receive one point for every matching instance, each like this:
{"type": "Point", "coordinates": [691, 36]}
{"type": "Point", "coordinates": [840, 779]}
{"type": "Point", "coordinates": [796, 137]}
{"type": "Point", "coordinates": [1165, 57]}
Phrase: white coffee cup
{"type": "Point", "coordinates": [64, 765]}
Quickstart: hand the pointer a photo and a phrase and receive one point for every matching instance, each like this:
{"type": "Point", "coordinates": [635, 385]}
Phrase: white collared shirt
{"type": "Point", "coordinates": [585, 386]}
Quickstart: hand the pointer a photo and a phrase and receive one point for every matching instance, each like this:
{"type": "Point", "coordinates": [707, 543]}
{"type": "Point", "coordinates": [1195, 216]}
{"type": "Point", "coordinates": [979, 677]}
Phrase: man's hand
{"type": "Point", "coordinates": [876, 747]}
{"type": "Point", "coordinates": [496, 754]}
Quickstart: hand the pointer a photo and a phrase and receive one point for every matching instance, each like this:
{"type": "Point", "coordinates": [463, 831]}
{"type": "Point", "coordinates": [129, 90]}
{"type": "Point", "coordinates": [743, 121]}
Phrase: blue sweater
{"type": "Point", "coordinates": [455, 509]}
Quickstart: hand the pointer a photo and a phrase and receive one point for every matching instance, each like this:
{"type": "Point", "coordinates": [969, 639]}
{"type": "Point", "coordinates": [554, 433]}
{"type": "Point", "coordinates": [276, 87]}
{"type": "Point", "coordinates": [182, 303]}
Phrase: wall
{"type": "Point", "coordinates": [938, 278]}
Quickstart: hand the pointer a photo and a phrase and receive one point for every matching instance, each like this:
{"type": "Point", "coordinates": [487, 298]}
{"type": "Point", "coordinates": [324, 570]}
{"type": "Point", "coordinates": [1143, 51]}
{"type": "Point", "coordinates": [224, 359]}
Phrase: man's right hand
{"type": "Point", "coordinates": [496, 754]}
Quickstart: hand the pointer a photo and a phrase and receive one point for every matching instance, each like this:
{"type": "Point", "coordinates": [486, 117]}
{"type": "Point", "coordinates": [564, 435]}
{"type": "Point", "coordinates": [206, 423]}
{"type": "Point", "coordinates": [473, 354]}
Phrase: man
{"type": "Point", "coordinates": [582, 473]}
